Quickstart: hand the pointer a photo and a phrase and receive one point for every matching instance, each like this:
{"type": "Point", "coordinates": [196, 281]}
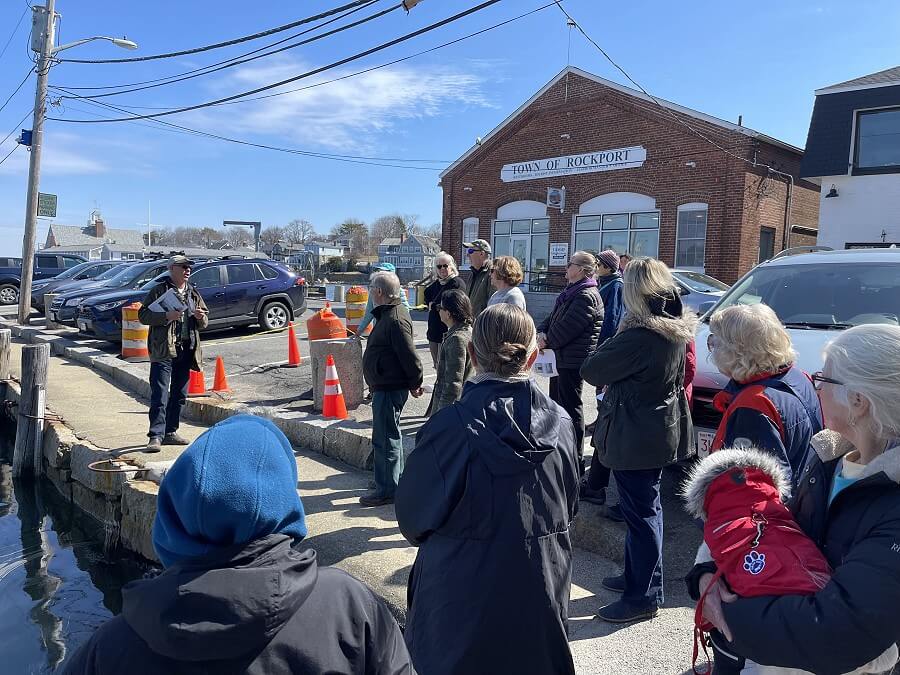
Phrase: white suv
{"type": "Point", "coordinates": [814, 295]}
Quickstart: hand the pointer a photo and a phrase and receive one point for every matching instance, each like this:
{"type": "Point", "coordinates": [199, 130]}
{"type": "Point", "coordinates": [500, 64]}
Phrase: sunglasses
{"type": "Point", "coordinates": [442, 267]}
{"type": "Point", "coordinates": [819, 379]}
{"type": "Point", "coordinates": [473, 250]}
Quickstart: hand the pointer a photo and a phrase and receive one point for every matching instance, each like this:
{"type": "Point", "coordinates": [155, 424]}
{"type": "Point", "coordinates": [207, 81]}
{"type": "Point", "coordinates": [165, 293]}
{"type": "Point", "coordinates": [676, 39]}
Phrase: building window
{"type": "Point", "coordinates": [690, 248]}
{"type": "Point", "coordinates": [528, 240]}
{"type": "Point", "coordinates": [877, 147]}
{"type": "Point", "coordinates": [766, 243]}
{"type": "Point", "coordinates": [469, 234]}
{"type": "Point", "coordinates": [632, 233]}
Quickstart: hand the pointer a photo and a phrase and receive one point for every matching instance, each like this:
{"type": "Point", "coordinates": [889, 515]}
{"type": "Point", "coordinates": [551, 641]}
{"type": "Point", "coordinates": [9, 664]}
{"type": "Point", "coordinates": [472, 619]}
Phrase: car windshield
{"type": "Point", "coordinates": [701, 283]}
{"type": "Point", "coordinates": [112, 272]}
{"type": "Point", "coordinates": [824, 295]}
{"type": "Point", "coordinates": [154, 281]}
{"type": "Point", "coordinates": [72, 271]}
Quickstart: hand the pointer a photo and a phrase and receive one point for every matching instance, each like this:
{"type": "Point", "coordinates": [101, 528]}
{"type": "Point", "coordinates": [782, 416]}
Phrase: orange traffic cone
{"type": "Point", "coordinates": [333, 405]}
{"type": "Point", "coordinates": [196, 384]}
{"type": "Point", "coordinates": [294, 358]}
{"type": "Point", "coordinates": [220, 384]}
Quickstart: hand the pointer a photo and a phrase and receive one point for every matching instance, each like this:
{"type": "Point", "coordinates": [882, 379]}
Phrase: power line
{"type": "Point", "coordinates": [366, 70]}
{"type": "Point", "coordinates": [15, 128]}
{"type": "Point", "coordinates": [15, 147]}
{"type": "Point", "coordinates": [210, 69]}
{"type": "Point", "coordinates": [21, 84]}
{"type": "Point", "coordinates": [309, 73]}
{"type": "Point", "coordinates": [15, 30]}
{"type": "Point", "coordinates": [234, 58]}
{"type": "Point", "coordinates": [227, 43]}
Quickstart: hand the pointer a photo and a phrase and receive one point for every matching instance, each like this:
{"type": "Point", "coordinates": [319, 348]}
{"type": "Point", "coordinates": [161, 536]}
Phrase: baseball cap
{"type": "Point", "coordinates": [180, 260]}
{"type": "Point", "coordinates": [479, 245]}
{"type": "Point", "coordinates": [384, 267]}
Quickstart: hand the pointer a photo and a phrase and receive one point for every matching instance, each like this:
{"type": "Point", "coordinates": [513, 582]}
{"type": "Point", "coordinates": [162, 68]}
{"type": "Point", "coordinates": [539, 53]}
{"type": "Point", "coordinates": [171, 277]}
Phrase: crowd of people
{"type": "Point", "coordinates": [490, 491]}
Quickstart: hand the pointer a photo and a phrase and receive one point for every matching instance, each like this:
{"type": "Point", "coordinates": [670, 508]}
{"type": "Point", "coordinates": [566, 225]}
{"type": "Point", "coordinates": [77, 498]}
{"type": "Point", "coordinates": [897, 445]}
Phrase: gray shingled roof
{"type": "Point", "coordinates": [882, 77]}
{"type": "Point", "coordinates": [72, 235]}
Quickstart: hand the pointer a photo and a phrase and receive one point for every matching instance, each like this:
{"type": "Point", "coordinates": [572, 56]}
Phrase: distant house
{"type": "Point", "coordinates": [413, 256]}
{"type": "Point", "coordinates": [853, 151]}
{"type": "Point", "coordinates": [89, 241]}
{"type": "Point", "coordinates": [322, 251]}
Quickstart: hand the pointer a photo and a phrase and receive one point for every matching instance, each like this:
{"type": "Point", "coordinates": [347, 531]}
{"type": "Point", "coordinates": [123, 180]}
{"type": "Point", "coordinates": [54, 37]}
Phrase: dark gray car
{"type": "Point", "coordinates": [81, 272]}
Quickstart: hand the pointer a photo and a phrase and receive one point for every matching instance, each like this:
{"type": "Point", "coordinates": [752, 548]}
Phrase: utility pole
{"type": "Point", "coordinates": [34, 166]}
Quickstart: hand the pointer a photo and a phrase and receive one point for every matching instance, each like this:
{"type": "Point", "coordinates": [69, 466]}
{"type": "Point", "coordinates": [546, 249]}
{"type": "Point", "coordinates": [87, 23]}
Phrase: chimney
{"type": "Point", "coordinates": [99, 228]}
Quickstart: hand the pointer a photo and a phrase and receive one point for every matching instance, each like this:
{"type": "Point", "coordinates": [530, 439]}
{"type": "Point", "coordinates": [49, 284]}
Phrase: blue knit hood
{"type": "Point", "coordinates": [233, 485]}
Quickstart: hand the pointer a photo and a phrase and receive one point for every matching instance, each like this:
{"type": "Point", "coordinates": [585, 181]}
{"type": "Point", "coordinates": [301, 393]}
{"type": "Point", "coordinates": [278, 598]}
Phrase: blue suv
{"type": "Point", "coordinates": [238, 292]}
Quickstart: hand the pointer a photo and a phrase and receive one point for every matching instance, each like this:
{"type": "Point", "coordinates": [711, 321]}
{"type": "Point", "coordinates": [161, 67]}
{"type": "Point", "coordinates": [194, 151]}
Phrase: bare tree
{"type": "Point", "coordinates": [208, 236]}
{"type": "Point", "coordinates": [238, 237]}
{"type": "Point", "coordinates": [434, 231]}
{"type": "Point", "coordinates": [271, 235]}
{"type": "Point", "coordinates": [299, 231]}
{"type": "Point", "coordinates": [356, 231]}
{"type": "Point", "coordinates": [161, 237]}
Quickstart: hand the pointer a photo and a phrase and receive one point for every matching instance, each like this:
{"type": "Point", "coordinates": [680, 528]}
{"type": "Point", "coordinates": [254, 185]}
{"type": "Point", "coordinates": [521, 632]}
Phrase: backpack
{"type": "Point", "coordinates": [754, 540]}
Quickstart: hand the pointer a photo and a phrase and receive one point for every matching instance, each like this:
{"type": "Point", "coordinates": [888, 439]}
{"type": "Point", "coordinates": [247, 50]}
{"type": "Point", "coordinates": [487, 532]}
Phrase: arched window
{"type": "Point", "coordinates": [626, 222]}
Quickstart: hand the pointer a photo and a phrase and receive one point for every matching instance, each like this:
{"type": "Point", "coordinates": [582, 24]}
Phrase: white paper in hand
{"type": "Point", "coordinates": [168, 302]}
{"type": "Point", "coordinates": [545, 363]}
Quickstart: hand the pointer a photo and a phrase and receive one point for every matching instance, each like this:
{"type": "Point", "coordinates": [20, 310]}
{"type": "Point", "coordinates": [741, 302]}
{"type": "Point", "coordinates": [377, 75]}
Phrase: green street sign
{"type": "Point", "coordinates": [46, 205]}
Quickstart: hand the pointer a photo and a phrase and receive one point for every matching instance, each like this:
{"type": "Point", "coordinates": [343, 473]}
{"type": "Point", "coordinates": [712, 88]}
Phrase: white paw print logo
{"type": "Point", "coordinates": [754, 562]}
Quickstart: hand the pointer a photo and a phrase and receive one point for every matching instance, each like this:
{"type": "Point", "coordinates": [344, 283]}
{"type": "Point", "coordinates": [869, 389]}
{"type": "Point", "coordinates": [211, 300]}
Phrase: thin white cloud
{"type": "Point", "coordinates": [69, 154]}
{"type": "Point", "coordinates": [349, 115]}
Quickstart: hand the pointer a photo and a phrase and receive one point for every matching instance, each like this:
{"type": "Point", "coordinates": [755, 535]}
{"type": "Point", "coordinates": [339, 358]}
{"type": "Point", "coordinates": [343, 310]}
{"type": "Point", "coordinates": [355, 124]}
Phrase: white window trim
{"type": "Point", "coordinates": [691, 206]}
{"type": "Point", "coordinates": [856, 111]}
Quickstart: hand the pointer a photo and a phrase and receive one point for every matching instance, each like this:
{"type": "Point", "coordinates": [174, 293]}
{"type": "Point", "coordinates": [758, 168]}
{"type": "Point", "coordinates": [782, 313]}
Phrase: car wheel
{"type": "Point", "coordinates": [274, 315]}
{"type": "Point", "coordinates": [9, 294]}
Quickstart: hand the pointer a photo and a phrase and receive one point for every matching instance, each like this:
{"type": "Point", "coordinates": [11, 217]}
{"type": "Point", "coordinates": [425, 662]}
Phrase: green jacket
{"type": "Point", "coordinates": [453, 369]}
{"type": "Point", "coordinates": [162, 338]}
{"type": "Point", "coordinates": [480, 288]}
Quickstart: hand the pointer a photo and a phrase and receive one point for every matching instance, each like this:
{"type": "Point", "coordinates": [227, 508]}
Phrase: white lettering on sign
{"type": "Point", "coordinates": [589, 162]}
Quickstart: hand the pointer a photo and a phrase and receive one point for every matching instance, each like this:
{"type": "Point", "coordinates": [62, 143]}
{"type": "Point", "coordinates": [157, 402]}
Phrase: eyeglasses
{"type": "Point", "coordinates": [819, 379]}
{"type": "Point", "coordinates": [571, 264]}
{"type": "Point", "coordinates": [442, 267]}
{"type": "Point", "coordinates": [470, 251]}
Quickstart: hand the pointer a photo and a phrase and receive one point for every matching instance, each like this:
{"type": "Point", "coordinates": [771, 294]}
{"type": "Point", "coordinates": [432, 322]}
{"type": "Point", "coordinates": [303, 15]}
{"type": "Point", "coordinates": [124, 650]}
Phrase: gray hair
{"type": "Point", "coordinates": [386, 282]}
{"type": "Point", "coordinates": [645, 278]}
{"type": "Point", "coordinates": [866, 359]}
{"type": "Point", "coordinates": [503, 338]}
{"type": "Point", "coordinates": [749, 341]}
{"type": "Point", "coordinates": [443, 256]}
{"type": "Point", "coordinates": [586, 261]}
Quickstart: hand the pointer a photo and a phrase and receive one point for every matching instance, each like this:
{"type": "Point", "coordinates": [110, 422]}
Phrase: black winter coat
{"type": "Point", "coordinates": [390, 362]}
{"type": "Point", "coordinates": [644, 421]}
{"type": "Point", "coordinates": [854, 618]}
{"type": "Point", "coordinates": [266, 608]}
{"type": "Point", "coordinates": [488, 496]}
{"type": "Point", "coordinates": [433, 292]}
{"type": "Point", "coordinates": [573, 328]}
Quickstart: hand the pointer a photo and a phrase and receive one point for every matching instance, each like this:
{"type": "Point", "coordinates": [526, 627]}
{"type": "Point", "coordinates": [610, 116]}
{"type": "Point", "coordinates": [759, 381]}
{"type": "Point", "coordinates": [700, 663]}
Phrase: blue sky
{"type": "Point", "coordinates": [760, 60]}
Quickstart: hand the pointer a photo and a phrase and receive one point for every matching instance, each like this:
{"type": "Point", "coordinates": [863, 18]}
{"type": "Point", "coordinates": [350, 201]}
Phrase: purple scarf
{"type": "Point", "coordinates": [572, 289]}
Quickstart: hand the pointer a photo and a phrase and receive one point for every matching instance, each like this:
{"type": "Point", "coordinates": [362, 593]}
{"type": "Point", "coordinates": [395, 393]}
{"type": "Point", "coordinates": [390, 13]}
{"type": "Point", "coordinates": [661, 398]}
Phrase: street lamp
{"type": "Point", "coordinates": [43, 29]}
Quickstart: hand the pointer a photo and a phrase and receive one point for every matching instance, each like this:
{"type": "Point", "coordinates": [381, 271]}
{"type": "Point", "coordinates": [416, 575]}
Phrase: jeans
{"type": "Point", "coordinates": [565, 389]}
{"type": "Point", "coordinates": [387, 443]}
{"type": "Point", "coordinates": [168, 392]}
{"type": "Point", "coordinates": [642, 510]}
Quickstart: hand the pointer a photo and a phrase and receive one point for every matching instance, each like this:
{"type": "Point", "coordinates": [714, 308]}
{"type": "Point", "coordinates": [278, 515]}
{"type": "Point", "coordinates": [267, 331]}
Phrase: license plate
{"type": "Point", "coordinates": [84, 325]}
{"type": "Point", "coordinates": [704, 442]}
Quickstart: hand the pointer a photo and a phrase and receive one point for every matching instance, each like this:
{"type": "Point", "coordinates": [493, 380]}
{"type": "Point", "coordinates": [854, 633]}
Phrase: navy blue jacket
{"type": "Point", "coordinates": [487, 496]}
{"type": "Point", "coordinates": [610, 289]}
{"type": "Point", "coordinates": [794, 396]}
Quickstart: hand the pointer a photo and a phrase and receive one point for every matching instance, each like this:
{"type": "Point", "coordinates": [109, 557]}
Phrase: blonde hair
{"type": "Point", "coordinates": [645, 278]}
{"type": "Point", "coordinates": [750, 341]}
{"type": "Point", "coordinates": [866, 359]}
{"type": "Point", "coordinates": [443, 256]}
{"type": "Point", "coordinates": [509, 270]}
{"type": "Point", "coordinates": [586, 261]}
{"type": "Point", "coordinates": [503, 338]}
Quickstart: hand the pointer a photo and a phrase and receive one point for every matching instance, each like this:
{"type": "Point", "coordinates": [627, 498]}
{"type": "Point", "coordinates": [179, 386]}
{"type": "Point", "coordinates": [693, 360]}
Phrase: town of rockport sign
{"type": "Point", "coordinates": [569, 165]}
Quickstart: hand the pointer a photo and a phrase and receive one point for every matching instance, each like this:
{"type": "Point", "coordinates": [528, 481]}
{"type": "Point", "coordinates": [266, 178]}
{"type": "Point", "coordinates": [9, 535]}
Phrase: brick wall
{"type": "Point", "coordinates": [596, 117]}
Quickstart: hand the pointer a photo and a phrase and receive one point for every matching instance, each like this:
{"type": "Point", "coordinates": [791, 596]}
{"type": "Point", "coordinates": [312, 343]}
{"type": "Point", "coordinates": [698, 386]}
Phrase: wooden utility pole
{"type": "Point", "coordinates": [28, 451]}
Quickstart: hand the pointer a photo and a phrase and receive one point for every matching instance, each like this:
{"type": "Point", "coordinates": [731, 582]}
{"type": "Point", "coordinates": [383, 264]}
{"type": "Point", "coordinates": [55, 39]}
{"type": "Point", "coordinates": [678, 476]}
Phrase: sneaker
{"type": "Point", "coordinates": [614, 584]}
{"type": "Point", "coordinates": [614, 513]}
{"type": "Point", "coordinates": [622, 611]}
{"type": "Point", "coordinates": [375, 499]}
{"type": "Point", "coordinates": [154, 444]}
{"type": "Point", "coordinates": [175, 439]}
{"type": "Point", "coordinates": [597, 497]}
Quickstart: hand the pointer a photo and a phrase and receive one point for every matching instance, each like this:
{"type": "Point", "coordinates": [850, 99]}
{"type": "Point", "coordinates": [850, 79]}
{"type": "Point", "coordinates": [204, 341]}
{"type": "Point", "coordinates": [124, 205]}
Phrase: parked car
{"type": "Point", "coordinates": [86, 271]}
{"type": "Point", "coordinates": [815, 295]}
{"type": "Point", "coordinates": [128, 275]}
{"type": "Point", "coordinates": [698, 288]}
{"type": "Point", "coordinates": [45, 266]}
{"type": "Point", "coordinates": [237, 293]}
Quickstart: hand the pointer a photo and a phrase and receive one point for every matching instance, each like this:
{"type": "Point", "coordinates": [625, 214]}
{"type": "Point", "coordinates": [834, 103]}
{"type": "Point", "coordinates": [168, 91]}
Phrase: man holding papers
{"type": "Point", "coordinates": [175, 313]}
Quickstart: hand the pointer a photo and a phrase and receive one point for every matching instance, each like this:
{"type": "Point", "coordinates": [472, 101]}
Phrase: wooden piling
{"type": "Point", "coordinates": [27, 453]}
{"type": "Point", "coordinates": [5, 350]}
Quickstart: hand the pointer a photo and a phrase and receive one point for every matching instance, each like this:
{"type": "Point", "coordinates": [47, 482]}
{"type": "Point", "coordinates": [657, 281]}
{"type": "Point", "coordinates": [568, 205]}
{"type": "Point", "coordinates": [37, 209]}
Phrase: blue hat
{"type": "Point", "coordinates": [234, 484]}
{"type": "Point", "coordinates": [385, 266]}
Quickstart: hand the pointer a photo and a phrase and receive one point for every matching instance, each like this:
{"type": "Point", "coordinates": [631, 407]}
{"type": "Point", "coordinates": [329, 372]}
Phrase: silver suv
{"type": "Point", "coordinates": [814, 294]}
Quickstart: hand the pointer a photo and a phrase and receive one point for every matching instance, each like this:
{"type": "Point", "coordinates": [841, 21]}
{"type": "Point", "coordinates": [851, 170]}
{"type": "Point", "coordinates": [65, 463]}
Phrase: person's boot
{"type": "Point", "coordinates": [623, 611]}
{"type": "Point", "coordinates": [175, 438]}
{"type": "Point", "coordinates": [374, 499]}
{"type": "Point", "coordinates": [154, 444]}
{"type": "Point", "coordinates": [586, 494]}
{"type": "Point", "coordinates": [614, 513]}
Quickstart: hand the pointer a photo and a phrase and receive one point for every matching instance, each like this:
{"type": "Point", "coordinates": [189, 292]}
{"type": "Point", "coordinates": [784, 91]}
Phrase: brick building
{"type": "Point", "coordinates": [637, 177]}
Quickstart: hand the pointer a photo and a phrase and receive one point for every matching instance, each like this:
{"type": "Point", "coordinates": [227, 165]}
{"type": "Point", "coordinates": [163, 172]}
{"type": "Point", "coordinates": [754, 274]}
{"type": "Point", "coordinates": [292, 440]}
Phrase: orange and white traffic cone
{"type": "Point", "coordinates": [333, 405]}
{"type": "Point", "coordinates": [196, 384]}
{"type": "Point", "coordinates": [294, 358]}
{"type": "Point", "coordinates": [220, 383]}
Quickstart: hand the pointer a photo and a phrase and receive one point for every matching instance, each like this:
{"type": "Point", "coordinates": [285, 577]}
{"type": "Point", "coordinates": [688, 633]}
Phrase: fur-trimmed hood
{"type": "Point", "coordinates": [829, 445]}
{"type": "Point", "coordinates": [681, 329]}
{"type": "Point", "coordinates": [693, 490]}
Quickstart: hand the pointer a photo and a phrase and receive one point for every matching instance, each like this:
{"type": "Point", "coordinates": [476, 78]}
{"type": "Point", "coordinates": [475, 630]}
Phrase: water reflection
{"type": "Point", "coordinates": [56, 584]}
